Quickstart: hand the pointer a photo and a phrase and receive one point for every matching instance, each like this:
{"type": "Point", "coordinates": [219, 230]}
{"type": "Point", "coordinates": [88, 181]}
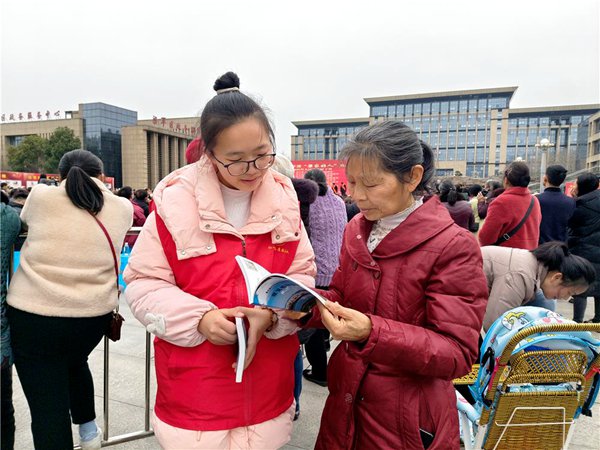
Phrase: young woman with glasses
{"type": "Point", "coordinates": [185, 286]}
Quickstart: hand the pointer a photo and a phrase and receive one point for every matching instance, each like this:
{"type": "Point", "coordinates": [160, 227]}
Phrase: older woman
{"type": "Point", "coordinates": [408, 317]}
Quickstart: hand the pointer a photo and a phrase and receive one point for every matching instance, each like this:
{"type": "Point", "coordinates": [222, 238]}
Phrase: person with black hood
{"type": "Point", "coordinates": [584, 238]}
{"type": "Point", "coordinates": [307, 192]}
{"type": "Point", "coordinates": [328, 219]}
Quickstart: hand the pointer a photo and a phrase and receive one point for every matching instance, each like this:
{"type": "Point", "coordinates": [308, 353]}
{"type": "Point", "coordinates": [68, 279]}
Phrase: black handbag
{"type": "Point", "coordinates": [113, 331]}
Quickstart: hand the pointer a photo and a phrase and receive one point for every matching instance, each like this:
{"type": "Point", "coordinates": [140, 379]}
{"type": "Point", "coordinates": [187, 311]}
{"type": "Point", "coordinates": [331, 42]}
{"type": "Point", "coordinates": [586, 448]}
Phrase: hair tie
{"type": "Point", "coordinates": [231, 89]}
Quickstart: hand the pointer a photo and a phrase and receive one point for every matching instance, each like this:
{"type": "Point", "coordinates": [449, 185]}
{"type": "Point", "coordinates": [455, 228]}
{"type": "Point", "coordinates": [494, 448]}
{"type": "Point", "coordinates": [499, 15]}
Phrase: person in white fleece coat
{"type": "Point", "coordinates": [61, 297]}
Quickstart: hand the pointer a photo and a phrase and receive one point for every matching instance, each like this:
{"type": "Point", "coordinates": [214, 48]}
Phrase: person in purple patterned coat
{"type": "Point", "coordinates": [327, 220]}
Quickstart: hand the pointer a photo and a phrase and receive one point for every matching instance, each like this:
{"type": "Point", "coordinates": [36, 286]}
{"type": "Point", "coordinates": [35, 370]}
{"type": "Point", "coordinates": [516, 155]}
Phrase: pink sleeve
{"type": "Point", "coordinates": [154, 298]}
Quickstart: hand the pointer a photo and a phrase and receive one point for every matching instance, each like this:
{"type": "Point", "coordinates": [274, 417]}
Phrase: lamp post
{"type": "Point", "coordinates": [543, 146]}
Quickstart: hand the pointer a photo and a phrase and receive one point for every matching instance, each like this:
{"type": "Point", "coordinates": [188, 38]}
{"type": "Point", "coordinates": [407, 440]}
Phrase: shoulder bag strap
{"type": "Point", "coordinates": [506, 236]}
{"type": "Point", "coordinates": [112, 249]}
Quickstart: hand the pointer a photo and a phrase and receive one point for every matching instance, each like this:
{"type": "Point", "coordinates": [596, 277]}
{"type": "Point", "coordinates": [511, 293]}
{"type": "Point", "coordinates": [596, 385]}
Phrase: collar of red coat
{"type": "Point", "coordinates": [516, 191]}
{"type": "Point", "coordinates": [426, 222]}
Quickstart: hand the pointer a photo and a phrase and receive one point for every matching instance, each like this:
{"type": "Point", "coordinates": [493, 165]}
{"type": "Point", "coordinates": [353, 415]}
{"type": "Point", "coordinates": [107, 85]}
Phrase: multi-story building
{"type": "Point", "coordinates": [135, 153]}
{"type": "Point", "coordinates": [473, 132]}
{"type": "Point", "coordinates": [593, 142]}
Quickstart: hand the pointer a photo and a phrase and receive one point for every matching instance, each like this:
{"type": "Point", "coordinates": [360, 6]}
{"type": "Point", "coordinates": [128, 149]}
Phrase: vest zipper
{"type": "Point", "coordinates": [244, 248]}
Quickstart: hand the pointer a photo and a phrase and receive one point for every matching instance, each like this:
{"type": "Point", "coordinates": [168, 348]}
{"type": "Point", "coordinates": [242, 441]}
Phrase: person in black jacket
{"type": "Point", "coordinates": [584, 238]}
{"type": "Point", "coordinates": [557, 208]}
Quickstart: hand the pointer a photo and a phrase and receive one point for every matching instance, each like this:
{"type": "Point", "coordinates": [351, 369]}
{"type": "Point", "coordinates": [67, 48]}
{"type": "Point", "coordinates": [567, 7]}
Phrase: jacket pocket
{"type": "Point", "coordinates": [426, 421]}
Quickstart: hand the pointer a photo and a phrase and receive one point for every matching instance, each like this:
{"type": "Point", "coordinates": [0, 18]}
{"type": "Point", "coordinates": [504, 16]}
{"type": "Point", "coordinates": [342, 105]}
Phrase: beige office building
{"type": "Point", "coordinates": [593, 144]}
{"type": "Point", "coordinates": [137, 153]}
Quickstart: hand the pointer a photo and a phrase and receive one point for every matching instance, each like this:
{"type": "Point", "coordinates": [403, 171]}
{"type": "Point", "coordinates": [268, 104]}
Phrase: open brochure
{"type": "Point", "coordinates": [242, 335]}
{"type": "Point", "coordinates": [276, 290]}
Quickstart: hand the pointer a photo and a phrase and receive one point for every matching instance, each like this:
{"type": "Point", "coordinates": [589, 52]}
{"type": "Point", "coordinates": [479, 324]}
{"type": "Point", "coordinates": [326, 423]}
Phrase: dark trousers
{"type": "Point", "coordinates": [298, 366]}
{"type": "Point", "coordinates": [51, 359]}
{"type": "Point", "coordinates": [579, 306]}
{"type": "Point", "coordinates": [8, 411]}
{"type": "Point", "coordinates": [316, 353]}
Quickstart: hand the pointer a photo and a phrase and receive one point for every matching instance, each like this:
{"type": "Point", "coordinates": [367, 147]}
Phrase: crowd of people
{"type": "Point", "coordinates": [411, 271]}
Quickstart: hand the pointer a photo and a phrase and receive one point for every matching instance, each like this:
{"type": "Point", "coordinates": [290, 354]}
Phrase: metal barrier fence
{"type": "Point", "coordinates": [147, 431]}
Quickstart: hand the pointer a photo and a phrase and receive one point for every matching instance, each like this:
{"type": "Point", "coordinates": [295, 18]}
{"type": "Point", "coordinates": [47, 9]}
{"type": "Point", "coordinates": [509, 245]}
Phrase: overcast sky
{"type": "Point", "coordinates": [304, 60]}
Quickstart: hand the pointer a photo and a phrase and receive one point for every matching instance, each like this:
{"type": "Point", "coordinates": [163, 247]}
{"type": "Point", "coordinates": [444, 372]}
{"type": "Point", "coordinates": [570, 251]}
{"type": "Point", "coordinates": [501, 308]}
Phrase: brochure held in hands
{"type": "Point", "coordinates": [275, 290]}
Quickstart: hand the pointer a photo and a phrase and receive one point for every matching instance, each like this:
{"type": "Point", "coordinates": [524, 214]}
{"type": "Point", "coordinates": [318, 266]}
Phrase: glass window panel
{"type": "Point", "coordinates": [417, 109]}
{"type": "Point", "coordinates": [399, 110]}
{"type": "Point", "coordinates": [452, 139]}
{"type": "Point", "coordinates": [460, 154]}
{"type": "Point", "coordinates": [482, 104]}
{"type": "Point", "coordinates": [391, 111]}
{"type": "Point", "coordinates": [444, 107]}
{"type": "Point", "coordinates": [473, 104]}
{"type": "Point", "coordinates": [463, 105]}
{"type": "Point", "coordinates": [426, 109]}
{"type": "Point", "coordinates": [435, 108]}
{"type": "Point", "coordinates": [408, 110]}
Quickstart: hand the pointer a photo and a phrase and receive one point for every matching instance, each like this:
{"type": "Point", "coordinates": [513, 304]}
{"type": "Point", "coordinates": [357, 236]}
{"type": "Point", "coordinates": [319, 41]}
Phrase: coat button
{"type": "Point", "coordinates": [273, 218]}
{"type": "Point", "coordinates": [296, 233]}
{"type": "Point", "coordinates": [372, 263]}
{"type": "Point", "coordinates": [182, 252]}
{"type": "Point", "coordinates": [358, 236]}
{"type": "Point", "coordinates": [354, 266]}
{"type": "Point", "coordinates": [277, 237]}
{"type": "Point", "coordinates": [207, 225]}
{"type": "Point", "coordinates": [377, 275]}
{"type": "Point", "coordinates": [208, 247]}
{"type": "Point", "coordinates": [348, 398]}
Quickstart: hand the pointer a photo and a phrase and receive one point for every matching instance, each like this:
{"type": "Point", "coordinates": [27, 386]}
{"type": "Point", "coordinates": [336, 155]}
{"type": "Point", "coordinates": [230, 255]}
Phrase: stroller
{"type": "Point", "coordinates": [538, 372]}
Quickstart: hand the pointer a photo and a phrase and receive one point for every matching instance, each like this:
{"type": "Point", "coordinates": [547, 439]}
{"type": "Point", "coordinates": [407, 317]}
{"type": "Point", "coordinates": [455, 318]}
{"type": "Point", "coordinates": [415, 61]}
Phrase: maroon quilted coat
{"type": "Point", "coordinates": [425, 292]}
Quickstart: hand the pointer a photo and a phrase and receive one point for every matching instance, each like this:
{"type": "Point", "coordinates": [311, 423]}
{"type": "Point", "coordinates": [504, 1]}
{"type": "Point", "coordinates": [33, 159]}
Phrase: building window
{"type": "Point", "coordinates": [435, 108]}
{"type": "Point", "coordinates": [444, 107]}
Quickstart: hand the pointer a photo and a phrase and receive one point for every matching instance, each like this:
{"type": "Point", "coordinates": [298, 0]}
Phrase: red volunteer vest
{"type": "Point", "coordinates": [196, 385]}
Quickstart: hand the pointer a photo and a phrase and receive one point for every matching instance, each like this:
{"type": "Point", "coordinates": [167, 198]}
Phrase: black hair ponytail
{"type": "Point", "coordinates": [318, 176]}
{"type": "Point", "coordinates": [78, 167]}
{"type": "Point", "coordinates": [428, 167]}
{"type": "Point", "coordinates": [448, 192]}
{"type": "Point", "coordinates": [556, 256]}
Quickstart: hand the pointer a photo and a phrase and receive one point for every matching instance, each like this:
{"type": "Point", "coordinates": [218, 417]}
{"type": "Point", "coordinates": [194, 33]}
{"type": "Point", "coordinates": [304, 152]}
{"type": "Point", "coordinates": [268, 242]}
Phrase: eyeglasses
{"type": "Point", "coordinates": [239, 168]}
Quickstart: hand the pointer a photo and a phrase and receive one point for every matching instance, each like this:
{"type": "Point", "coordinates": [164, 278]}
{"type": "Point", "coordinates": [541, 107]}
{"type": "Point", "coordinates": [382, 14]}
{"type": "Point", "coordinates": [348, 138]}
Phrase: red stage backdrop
{"type": "Point", "coordinates": [334, 170]}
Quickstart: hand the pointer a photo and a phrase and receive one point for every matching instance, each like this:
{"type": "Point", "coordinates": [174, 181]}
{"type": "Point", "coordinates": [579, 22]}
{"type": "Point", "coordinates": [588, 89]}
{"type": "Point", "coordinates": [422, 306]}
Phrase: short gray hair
{"type": "Point", "coordinates": [397, 149]}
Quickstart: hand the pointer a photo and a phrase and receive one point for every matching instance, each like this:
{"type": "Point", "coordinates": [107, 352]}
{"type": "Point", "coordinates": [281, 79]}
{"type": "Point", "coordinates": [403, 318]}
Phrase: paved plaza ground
{"type": "Point", "coordinates": [127, 396]}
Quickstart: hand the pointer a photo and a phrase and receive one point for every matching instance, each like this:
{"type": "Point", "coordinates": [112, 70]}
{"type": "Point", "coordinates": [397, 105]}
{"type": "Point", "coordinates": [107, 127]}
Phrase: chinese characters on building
{"type": "Point", "coordinates": [6, 117]}
{"type": "Point", "coordinates": [172, 125]}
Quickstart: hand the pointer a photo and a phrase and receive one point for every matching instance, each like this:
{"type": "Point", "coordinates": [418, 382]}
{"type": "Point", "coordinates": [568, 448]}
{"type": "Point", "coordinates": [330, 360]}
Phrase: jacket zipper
{"type": "Point", "coordinates": [244, 248]}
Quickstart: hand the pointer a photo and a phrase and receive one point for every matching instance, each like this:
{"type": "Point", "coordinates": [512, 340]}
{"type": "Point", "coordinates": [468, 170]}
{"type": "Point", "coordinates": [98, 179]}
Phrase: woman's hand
{"type": "Point", "coordinates": [345, 324]}
{"type": "Point", "coordinates": [217, 327]}
{"type": "Point", "coordinates": [260, 319]}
